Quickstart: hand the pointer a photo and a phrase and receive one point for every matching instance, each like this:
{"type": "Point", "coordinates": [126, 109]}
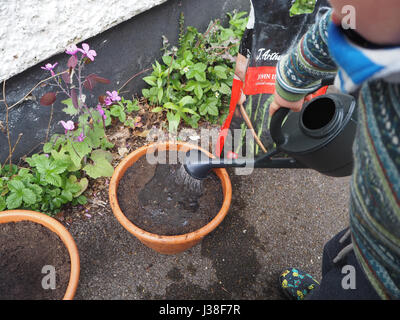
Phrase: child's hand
{"type": "Point", "coordinates": [279, 102]}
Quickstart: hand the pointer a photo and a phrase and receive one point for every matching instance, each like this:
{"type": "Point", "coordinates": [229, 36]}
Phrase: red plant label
{"type": "Point", "coordinates": [260, 80]}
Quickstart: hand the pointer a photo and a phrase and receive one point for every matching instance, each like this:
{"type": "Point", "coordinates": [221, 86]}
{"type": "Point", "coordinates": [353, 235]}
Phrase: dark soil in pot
{"type": "Point", "coordinates": [25, 248]}
{"type": "Point", "coordinates": [156, 200]}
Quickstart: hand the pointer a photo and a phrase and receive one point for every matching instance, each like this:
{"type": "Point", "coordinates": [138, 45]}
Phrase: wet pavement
{"type": "Point", "coordinates": [278, 218]}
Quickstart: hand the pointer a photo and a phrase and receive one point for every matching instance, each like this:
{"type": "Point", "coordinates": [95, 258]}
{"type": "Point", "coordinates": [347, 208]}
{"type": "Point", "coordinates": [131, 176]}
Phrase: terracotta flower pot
{"type": "Point", "coordinates": [160, 243]}
{"type": "Point", "coordinates": [56, 227]}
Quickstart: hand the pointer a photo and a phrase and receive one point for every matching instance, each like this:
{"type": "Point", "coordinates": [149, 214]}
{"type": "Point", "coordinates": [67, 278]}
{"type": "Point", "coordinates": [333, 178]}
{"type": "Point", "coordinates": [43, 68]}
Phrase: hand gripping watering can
{"type": "Point", "coordinates": [320, 137]}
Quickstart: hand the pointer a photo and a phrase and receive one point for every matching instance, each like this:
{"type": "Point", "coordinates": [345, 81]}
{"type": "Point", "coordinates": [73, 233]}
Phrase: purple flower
{"type": "Point", "coordinates": [87, 52]}
{"type": "Point", "coordinates": [50, 67]}
{"type": "Point", "coordinates": [108, 101]}
{"type": "Point", "coordinates": [81, 137]}
{"type": "Point", "coordinates": [46, 155]}
{"type": "Point", "coordinates": [101, 111]}
{"type": "Point", "coordinates": [113, 96]}
{"type": "Point", "coordinates": [68, 126]}
{"type": "Point", "coordinates": [72, 49]}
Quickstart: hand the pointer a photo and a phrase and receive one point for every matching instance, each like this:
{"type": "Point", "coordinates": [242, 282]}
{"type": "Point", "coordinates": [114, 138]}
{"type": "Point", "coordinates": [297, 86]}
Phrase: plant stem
{"type": "Point", "coordinates": [206, 33]}
{"type": "Point", "coordinates": [7, 124]}
{"type": "Point", "coordinates": [48, 126]}
{"type": "Point", "coordinates": [134, 76]}
{"type": "Point", "coordinates": [13, 149]}
{"type": "Point", "coordinates": [38, 84]}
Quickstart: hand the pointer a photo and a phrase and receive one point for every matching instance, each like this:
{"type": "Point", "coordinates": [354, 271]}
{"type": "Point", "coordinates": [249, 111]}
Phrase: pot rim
{"type": "Point", "coordinates": [174, 239]}
{"type": "Point", "coordinates": [56, 227]}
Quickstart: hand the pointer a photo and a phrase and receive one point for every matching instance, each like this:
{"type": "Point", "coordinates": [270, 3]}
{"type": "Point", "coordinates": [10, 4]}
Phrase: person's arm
{"type": "Point", "coordinates": [301, 70]}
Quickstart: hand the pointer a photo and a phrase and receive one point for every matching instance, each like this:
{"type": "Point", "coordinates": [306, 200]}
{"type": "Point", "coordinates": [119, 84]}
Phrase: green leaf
{"type": "Point", "coordinates": [94, 135]}
{"type": "Point", "coordinates": [50, 170]}
{"type": "Point", "coordinates": [158, 68]}
{"type": "Point", "coordinates": [173, 121]}
{"type": "Point", "coordinates": [212, 110]}
{"type": "Point", "coordinates": [210, 107]}
{"type": "Point", "coordinates": [83, 184]}
{"type": "Point", "coordinates": [105, 144]}
{"type": "Point", "coordinates": [157, 109]}
{"type": "Point", "coordinates": [188, 110]}
{"type": "Point", "coordinates": [200, 76]}
{"type": "Point", "coordinates": [224, 89]}
{"type": "Point", "coordinates": [57, 202]}
{"type": "Point", "coordinates": [108, 120]}
{"type": "Point", "coordinates": [62, 155]}
{"type": "Point", "coordinates": [167, 60]}
{"type": "Point", "coordinates": [200, 67]}
{"type": "Point", "coordinates": [132, 106]}
{"type": "Point", "coordinates": [159, 82]}
{"type": "Point", "coordinates": [66, 195]}
{"type": "Point", "coordinates": [188, 56]}
{"type": "Point", "coordinates": [72, 186]}
{"type": "Point", "coordinates": [47, 147]}
{"type": "Point", "coordinates": [101, 166]}
{"type": "Point", "coordinates": [53, 179]}
{"type": "Point", "coordinates": [70, 109]}
{"type": "Point", "coordinates": [160, 94]}
{"type": "Point", "coordinates": [7, 172]}
{"type": "Point", "coordinates": [58, 166]}
{"type": "Point", "coordinates": [28, 196]}
{"type": "Point", "coordinates": [16, 185]}
{"type": "Point", "coordinates": [170, 105]}
{"type": "Point", "coordinates": [14, 200]}
{"type": "Point", "coordinates": [3, 203]}
{"type": "Point", "coordinates": [190, 85]}
{"type": "Point", "coordinates": [25, 174]}
{"type": "Point", "coordinates": [77, 150]}
{"type": "Point", "coordinates": [198, 91]}
{"type": "Point", "coordinates": [220, 72]}
{"type": "Point", "coordinates": [54, 192]}
{"type": "Point", "coordinates": [146, 93]}
{"type": "Point", "coordinates": [151, 80]}
{"type": "Point", "coordinates": [186, 100]}
{"type": "Point", "coordinates": [117, 110]}
{"type": "Point", "coordinates": [35, 188]}
{"type": "Point", "coordinates": [82, 200]}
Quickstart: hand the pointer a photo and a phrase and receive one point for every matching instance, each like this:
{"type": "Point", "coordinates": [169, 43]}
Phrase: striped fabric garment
{"type": "Point", "coordinates": [325, 52]}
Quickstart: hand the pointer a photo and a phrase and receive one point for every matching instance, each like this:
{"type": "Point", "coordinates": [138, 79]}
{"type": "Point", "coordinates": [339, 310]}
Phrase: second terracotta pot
{"type": "Point", "coordinates": [160, 243]}
{"type": "Point", "coordinates": [56, 227]}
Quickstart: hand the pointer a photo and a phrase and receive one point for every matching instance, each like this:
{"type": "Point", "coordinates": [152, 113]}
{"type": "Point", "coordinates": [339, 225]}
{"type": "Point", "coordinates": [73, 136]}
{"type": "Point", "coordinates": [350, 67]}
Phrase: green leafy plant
{"type": "Point", "coordinates": [120, 110]}
{"type": "Point", "coordinates": [302, 7]}
{"type": "Point", "coordinates": [193, 82]}
{"type": "Point", "coordinates": [45, 187]}
{"type": "Point", "coordinates": [59, 175]}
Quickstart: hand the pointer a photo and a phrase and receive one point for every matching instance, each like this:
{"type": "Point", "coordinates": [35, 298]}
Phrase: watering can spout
{"type": "Point", "coordinates": [320, 137]}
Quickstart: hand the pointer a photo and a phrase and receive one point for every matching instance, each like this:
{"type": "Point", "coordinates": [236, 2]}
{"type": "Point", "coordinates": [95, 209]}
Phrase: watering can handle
{"type": "Point", "coordinates": [276, 126]}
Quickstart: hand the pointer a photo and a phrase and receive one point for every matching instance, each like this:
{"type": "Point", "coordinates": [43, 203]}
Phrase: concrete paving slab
{"type": "Point", "coordinates": [278, 218]}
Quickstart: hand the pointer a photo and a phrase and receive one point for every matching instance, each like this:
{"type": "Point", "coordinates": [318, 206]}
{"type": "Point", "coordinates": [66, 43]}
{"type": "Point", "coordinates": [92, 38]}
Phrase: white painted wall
{"type": "Point", "coordinates": [34, 30]}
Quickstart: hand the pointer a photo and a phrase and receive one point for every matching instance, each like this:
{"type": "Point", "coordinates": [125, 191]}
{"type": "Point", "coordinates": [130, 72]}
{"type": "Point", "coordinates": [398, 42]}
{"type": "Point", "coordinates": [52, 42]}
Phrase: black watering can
{"type": "Point", "coordinates": [320, 137]}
